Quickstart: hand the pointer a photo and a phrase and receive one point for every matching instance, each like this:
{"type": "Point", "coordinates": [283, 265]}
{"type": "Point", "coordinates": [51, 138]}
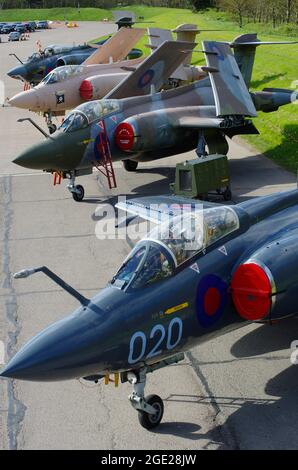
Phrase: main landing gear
{"type": "Point", "coordinates": [150, 408]}
{"type": "Point", "coordinates": [77, 191]}
{"type": "Point", "coordinates": [130, 165]}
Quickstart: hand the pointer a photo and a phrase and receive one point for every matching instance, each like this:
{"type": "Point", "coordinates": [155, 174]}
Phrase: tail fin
{"type": "Point", "coordinates": [117, 47]}
{"type": "Point", "coordinates": [245, 51]}
{"type": "Point", "coordinates": [245, 55]}
{"type": "Point", "coordinates": [157, 36]}
{"type": "Point", "coordinates": [186, 32]}
{"type": "Point", "coordinates": [230, 92]}
{"type": "Point", "coordinates": [153, 71]}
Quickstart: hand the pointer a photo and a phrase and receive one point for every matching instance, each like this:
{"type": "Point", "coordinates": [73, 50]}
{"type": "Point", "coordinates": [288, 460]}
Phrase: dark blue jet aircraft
{"type": "Point", "coordinates": [195, 276]}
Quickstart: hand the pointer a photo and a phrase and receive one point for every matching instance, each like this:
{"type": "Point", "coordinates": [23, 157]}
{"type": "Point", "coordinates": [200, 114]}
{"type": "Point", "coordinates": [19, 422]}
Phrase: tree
{"type": "Point", "coordinates": [201, 4]}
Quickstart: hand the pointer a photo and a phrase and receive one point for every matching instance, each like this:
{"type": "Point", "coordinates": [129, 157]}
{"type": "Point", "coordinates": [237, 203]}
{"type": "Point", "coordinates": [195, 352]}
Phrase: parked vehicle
{"type": "Point", "coordinates": [7, 29]}
{"type": "Point", "coordinates": [29, 27]}
{"type": "Point", "coordinates": [21, 29]}
{"type": "Point", "coordinates": [15, 36]}
{"type": "Point", "coordinates": [42, 25]}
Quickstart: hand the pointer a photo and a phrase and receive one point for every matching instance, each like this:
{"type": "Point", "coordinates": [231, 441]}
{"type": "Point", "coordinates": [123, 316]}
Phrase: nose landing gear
{"type": "Point", "coordinates": [77, 191]}
{"type": "Point", "coordinates": [150, 408]}
{"type": "Point", "coordinates": [51, 126]}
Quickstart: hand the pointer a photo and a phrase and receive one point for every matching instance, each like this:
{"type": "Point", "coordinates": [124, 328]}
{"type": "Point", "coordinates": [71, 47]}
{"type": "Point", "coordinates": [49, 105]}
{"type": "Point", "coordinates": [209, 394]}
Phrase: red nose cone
{"type": "Point", "coordinates": [124, 136]}
{"type": "Point", "coordinates": [251, 289]}
{"type": "Point", "coordinates": [86, 90]}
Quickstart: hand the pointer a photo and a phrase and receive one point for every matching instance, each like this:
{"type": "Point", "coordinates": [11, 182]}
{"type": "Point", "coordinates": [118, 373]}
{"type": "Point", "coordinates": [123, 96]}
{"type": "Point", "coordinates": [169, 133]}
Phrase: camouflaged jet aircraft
{"type": "Point", "coordinates": [41, 63]}
{"type": "Point", "coordinates": [198, 274]}
{"type": "Point", "coordinates": [68, 86]}
{"type": "Point", "coordinates": [145, 128]}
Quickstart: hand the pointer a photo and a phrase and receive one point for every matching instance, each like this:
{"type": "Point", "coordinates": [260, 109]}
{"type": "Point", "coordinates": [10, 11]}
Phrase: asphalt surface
{"type": "Point", "coordinates": [238, 391]}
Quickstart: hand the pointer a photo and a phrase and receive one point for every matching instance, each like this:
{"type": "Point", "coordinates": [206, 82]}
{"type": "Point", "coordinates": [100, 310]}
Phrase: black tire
{"type": "Point", "coordinates": [227, 195]}
{"type": "Point", "coordinates": [148, 421]}
{"type": "Point", "coordinates": [78, 196]}
{"type": "Point", "coordinates": [52, 128]}
{"type": "Point", "coordinates": [130, 165]}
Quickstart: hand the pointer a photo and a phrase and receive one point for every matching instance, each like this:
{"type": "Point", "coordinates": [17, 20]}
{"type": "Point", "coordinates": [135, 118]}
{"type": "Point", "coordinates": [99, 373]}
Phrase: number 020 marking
{"type": "Point", "coordinates": [158, 332]}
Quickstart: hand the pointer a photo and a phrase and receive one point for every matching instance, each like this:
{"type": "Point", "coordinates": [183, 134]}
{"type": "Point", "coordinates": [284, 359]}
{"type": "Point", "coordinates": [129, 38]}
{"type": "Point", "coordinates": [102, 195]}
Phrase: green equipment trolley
{"type": "Point", "coordinates": [196, 178]}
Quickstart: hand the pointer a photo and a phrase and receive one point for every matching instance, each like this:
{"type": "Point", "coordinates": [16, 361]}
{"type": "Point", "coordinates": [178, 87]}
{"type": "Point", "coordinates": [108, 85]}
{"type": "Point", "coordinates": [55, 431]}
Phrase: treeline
{"type": "Point", "coordinates": [6, 4]}
{"type": "Point", "coordinates": [275, 12]}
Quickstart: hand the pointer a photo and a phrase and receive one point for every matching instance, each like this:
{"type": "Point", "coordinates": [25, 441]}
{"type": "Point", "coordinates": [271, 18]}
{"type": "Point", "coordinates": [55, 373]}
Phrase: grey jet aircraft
{"type": "Point", "coordinates": [145, 128]}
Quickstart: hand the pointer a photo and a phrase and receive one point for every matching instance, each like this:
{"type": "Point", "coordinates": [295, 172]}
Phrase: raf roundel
{"type": "Point", "coordinates": [211, 300]}
{"type": "Point", "coordinates": [146, 78]}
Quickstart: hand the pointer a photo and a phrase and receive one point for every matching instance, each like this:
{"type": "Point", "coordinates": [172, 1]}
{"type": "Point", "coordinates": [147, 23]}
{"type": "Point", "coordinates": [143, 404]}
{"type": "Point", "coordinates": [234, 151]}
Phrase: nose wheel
{"type": "Point", "coordinates": [78, 193]}
{"type": "Point", "coordinates": [148, 420]}
{"type": "Point", "coordinates": [52, 128]}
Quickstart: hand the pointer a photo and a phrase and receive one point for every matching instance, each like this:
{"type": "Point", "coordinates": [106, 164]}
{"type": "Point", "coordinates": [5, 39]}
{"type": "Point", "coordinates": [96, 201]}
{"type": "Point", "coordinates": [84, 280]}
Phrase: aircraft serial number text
{"type": "Point", "coordinates": [171, 337]}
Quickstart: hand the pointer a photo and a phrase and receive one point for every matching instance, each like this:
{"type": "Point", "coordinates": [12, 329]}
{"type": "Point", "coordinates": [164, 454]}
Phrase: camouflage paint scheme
{"type": "Point", "coordinates": [69, 86]}
{"type": "Point", "coordinates": [161, 124]}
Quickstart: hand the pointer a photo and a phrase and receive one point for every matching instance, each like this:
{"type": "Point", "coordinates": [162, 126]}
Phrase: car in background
{"type": "Point", "coordinates": [15, 25]}
{"type": "Point", "coordinates": [21, 28]}
{"type": "Point", "coordinates": [30, 26]}
{"type": "Point", "coordinates": [16, 36]}
{"type": "Point", "coordinates": [42, 25]}
{"type": "Point", "coordinates": [7, 29]}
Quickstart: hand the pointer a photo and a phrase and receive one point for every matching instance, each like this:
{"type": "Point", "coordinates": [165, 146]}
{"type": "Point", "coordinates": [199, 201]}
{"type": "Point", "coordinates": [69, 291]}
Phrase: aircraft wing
{"type": "Point", "coordinates": [157, 208]}
{"type": "Point", "coordinates": [153, 71]}
{"type": "Point", "coordinates": [117, 47]}
{"type": "Point", "coordinates": [230, 91]}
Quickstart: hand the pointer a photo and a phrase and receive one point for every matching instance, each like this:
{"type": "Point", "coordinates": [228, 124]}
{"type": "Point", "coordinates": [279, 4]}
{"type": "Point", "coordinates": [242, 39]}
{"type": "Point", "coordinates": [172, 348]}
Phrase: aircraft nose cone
{"type": "Point", "coordinates": [25, 100]}
{"type": "Point", "coordinates": [70, 348]}
{"type": "Point", "coordinates": [42, 156]}
{"type": "Point", "coordinates": [18, 72]}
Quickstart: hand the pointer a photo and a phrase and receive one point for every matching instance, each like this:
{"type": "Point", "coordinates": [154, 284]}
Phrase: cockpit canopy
{"type": "Point", "coordinates": [56, 49]}
{"type": "Point", "coordinates": [172, 243]}
{"type": "Point", "coordinates": [34, 57]}
{"type": "Point", "coordinates": [62, 73]}
{"type": "Point", "coordinates": [87, 113]}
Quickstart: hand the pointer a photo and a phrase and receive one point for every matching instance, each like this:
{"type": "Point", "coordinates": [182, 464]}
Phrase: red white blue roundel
{"type": "Point", "coordinates": [155, 72]}
{"type": "Point", "coordinates": [211, 299]}
{"type": "Point", "coordinates": [146, 78]}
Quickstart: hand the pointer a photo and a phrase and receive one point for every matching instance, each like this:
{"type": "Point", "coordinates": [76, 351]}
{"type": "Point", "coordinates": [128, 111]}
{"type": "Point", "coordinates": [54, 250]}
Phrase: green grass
{"type": "Point", "coordinates": [59, 14]}
{"type": "Point", "coordinates": [275, 66]}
